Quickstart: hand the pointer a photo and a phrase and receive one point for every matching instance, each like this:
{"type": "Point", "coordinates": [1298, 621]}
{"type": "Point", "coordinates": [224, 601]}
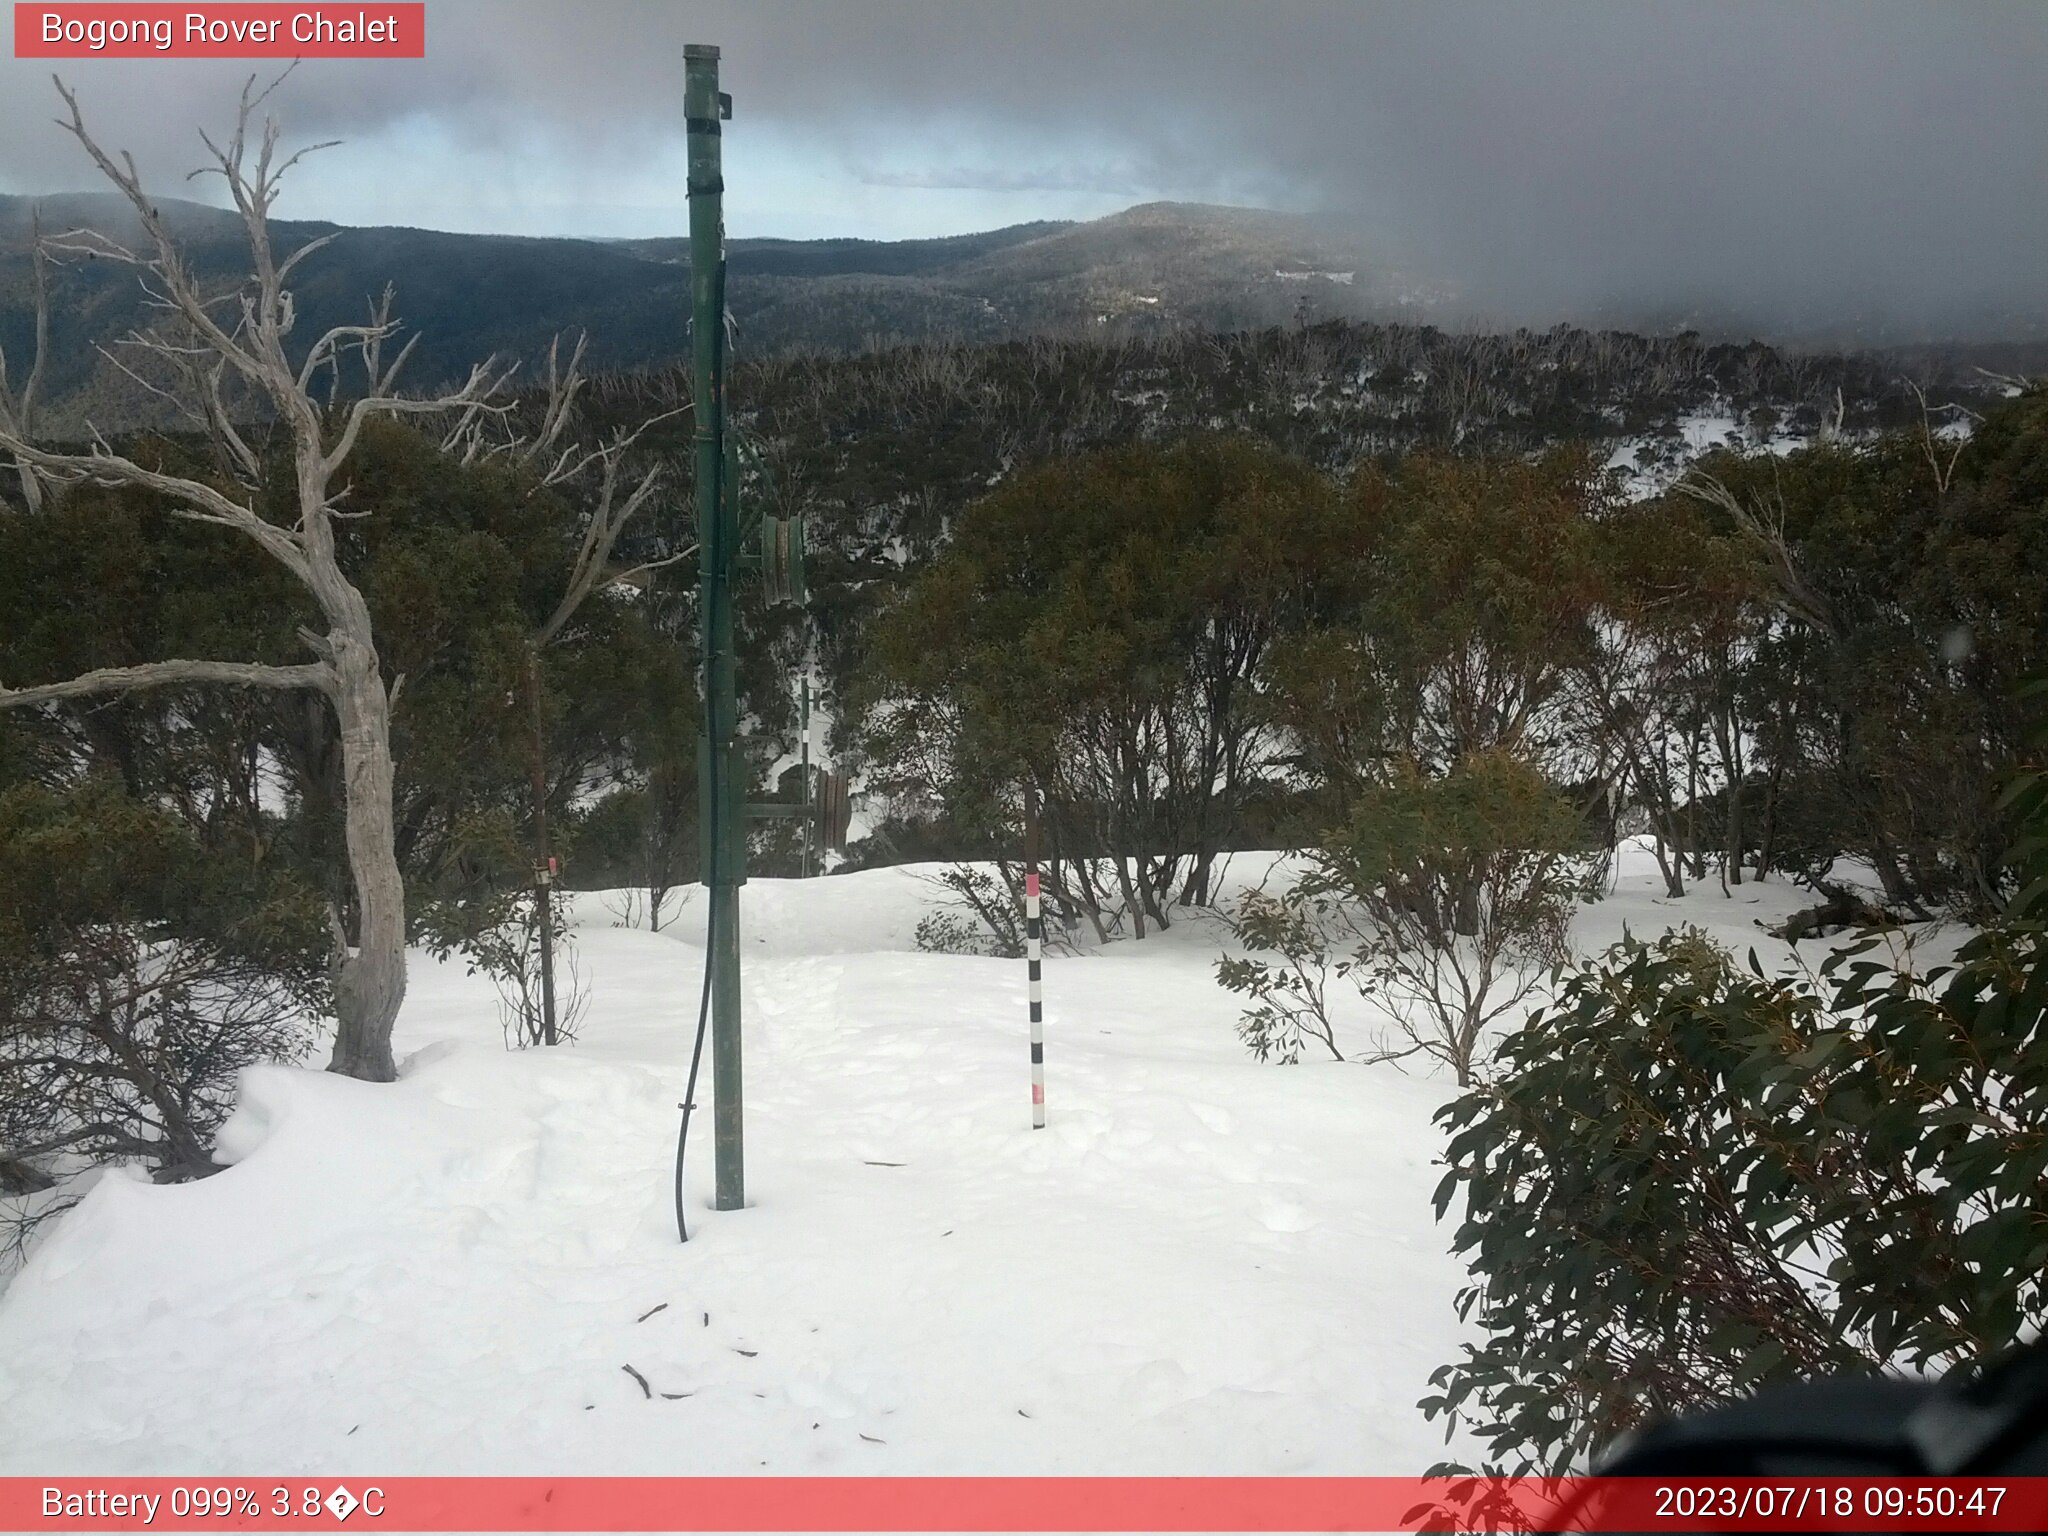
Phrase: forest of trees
{"type": "Point", "coordinates": [1367, 593]}
{"type": "Point", "coordinates": [1454, 675]}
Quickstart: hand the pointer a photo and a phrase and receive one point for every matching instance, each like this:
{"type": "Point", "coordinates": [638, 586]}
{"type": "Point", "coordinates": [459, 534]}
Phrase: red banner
{"type": "Point", "coordinates": [1022, 1504]}
{"type": "Point", "coordinates": [215, 31]}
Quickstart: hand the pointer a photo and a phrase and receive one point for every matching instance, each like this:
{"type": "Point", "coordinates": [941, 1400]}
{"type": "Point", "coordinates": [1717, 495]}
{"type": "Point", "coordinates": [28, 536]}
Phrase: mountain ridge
{"type": "Point", "coordinates": [1152, 268]}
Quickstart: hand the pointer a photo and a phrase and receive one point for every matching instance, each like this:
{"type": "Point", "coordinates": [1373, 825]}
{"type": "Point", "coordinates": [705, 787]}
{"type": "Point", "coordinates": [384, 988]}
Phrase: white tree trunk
{"type": "Point", "coordinates": [370, 981]}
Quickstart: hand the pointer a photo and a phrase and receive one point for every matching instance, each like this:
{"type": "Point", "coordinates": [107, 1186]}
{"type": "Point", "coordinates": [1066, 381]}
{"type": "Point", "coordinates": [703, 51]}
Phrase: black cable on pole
{"type": "Point", "coordinates": [710, 951]}
{"type": "Point", "coordinates": [696, 1056]}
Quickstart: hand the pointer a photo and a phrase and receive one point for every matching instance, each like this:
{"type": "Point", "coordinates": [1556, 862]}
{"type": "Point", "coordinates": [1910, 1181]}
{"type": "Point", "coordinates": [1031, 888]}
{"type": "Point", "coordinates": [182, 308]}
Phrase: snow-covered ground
{"type": "Point", "coordinates": [1651, 465]}
{"type": "Point", "coordinates": [1202, 1265]}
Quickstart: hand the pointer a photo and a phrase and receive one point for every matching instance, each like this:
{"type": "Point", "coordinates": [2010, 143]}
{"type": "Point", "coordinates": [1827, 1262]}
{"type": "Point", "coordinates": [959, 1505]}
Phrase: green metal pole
{"type": "Point", "coordinates": [720, 792]}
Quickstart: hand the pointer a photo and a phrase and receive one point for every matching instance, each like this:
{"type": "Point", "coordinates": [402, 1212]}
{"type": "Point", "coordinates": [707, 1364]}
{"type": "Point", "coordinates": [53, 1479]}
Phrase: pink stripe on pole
{"type": "Point", "coordinates": [1038, 1093]}
{"type": "Point", "coordinates": [1031, 884]}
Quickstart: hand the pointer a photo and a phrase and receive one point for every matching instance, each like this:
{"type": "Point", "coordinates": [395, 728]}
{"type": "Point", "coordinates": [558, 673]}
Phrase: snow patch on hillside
{"type": "Point", "coordinates": [1652, 464]}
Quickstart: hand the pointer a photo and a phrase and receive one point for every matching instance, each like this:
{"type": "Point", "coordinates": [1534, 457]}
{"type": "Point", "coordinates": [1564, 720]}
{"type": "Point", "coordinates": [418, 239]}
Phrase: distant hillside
{"type": "Point", "coordinates": [468, 295]}
{"type": "Point", "coordinates": [837, 258]}
{"type": "Point", "coordinates": [1147, 271]}
{"type": "Point", "coordinates": [1150, 269]}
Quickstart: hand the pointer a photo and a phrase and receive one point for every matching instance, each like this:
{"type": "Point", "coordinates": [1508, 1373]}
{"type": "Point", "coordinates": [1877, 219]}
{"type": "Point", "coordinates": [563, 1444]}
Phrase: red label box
{"type": "Point", "coordinates": [1018, 1504]}
{"type": "Point", "coordinates": [321, 31]}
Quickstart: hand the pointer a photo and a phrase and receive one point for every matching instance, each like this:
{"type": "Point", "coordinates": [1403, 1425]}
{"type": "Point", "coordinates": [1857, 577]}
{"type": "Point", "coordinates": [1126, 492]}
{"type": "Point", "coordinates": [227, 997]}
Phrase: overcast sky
{"type": "Point", "coordinates": [1856, 154]}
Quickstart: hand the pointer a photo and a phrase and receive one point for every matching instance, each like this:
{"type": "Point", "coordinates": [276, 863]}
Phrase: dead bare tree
{"type": "Point", "coordinates": [1944, 470]}
{"type": "Point", "coordinates": [18, 409]}
{"type": "Point", "coordinates": [250, 348]}
{"type": "Point", "coordinates": [615, 504]}
{"type": "Point", "coordinates": [590, 568]}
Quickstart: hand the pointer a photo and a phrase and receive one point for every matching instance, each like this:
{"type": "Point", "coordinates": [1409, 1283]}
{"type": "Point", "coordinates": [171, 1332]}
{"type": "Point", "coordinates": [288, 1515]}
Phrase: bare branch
{"type": "Point", "coordinates": [563, 387]}
{"type": "Point", "coordinates": [475, 394]}
{"type": "Point", "coordinates": [1943, 473]}
{"type": "Point", "coordinates": [264, 95]}
{"type": "Point", "coordinates": [169, 674]}
{"type": "Point", "coordinates": [373, 345]}
{"type": "Point", "coordinates": [326, 351]}
{"type": "Point", "coordinates": [386, 382]}
{"type": "Point", "coordinates": [318, 244]}
{"type": "Point", "coordinates": [40, 262]}
{"type": "Point", "coordinates": [2011, 383]}
{"type": "Point", "coordinates": [568, 467]}
{"type": "Point", "coordinates": [367, 340]}
{"type": "Point", "coordinates": [594, 555]}
{"type": "Point", "coordinates": [225, 434]}
{"type": "Point", "coordinates": [181, 291]}
{"type": "Point", "coordinates": [1765, 530]}
{"type": "Point", "coordinates": [176, 402]}
{"type": "Point", "coordinates": [92, 244]}
{"type": "Point", "coordinates": [200, 502]}
{"type": "Point", "coordinates": [687, 552]}
{"type": "Point", "coordinates": [17, 413]}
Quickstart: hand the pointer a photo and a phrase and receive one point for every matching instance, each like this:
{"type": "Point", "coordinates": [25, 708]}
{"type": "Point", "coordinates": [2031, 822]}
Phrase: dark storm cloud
{"type": "Point", "coordinates": [1825, 158]}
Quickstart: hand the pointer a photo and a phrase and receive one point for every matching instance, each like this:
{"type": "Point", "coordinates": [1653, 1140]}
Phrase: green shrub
{"type": "Point", "coordinates": [140, 971]}
{"type": "Point", "coordinates": [1688, 1180]}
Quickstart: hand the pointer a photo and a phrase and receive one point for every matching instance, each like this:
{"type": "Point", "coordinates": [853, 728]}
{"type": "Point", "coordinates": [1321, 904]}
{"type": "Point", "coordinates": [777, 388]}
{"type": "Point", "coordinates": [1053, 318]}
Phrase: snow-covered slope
{"type": "Point", "coordinates": [1202, 1264]}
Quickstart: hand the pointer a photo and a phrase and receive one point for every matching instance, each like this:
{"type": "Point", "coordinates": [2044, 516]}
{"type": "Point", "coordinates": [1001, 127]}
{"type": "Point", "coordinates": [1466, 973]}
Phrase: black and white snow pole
{"type": "Point", "coordinates": [804, 777]}
{"type": "Point", "coordinates": [1034, 945]}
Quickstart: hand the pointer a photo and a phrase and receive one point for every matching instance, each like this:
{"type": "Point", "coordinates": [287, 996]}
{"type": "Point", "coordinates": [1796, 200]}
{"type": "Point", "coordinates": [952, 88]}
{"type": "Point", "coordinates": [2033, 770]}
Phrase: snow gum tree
{"type": "Point", "coordinates": [1906, 592]}
{"type": "Point", "coordinates": [1427, 712]}
{"type": "Point", "coordinates": [1469, 589]}
{"type": "Point", "coordinates": [1664, 700]}
{"type": "Point", "coordinates": [1102, 625]}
